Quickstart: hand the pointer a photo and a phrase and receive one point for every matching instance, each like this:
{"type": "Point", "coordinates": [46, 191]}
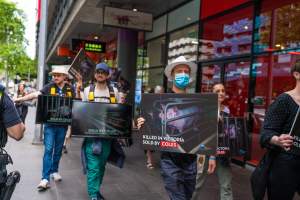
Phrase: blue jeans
{"type": "Point", "coordinates": [54, 137]}
{"type": "Point", "coordinates": [179, 181]}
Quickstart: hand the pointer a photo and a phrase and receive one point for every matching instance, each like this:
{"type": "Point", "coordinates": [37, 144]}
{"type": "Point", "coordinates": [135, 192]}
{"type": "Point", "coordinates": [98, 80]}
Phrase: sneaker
{"type": "Point", "coordinates": [44, 185]}
{"type": "Point", "coordinates": [56, 176]}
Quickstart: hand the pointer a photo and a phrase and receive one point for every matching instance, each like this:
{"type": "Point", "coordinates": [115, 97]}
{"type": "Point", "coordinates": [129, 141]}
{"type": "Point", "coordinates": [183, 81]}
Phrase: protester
{"type": "Point", "coordinates": [223, 160]}
{"type": "Point", "coordinates": [284, 174]}
{"type": "Point", "coordinates": [179, 170]}
{"type": "Point", "coordinates": [95, 151]}
{"type": "Point", "coordinates": [54, 135]}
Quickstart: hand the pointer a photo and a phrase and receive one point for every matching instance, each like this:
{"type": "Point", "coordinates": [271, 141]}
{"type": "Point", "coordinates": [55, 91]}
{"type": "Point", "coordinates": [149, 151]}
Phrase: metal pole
{"type": "Point", "coordinates": [37, 139]}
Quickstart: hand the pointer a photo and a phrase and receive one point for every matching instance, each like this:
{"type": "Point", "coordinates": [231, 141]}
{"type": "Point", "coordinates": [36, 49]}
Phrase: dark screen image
{"type": "Point", "coordinates": [84, 66]}
{"type": "Point", "coordinates": [54, 110]}
{"type": "Point", "coordinates": [184, 123]}
{"type": "Point", "coordinates": [91, 119]}
{"type": "Point", "coordinates": [234, 137]}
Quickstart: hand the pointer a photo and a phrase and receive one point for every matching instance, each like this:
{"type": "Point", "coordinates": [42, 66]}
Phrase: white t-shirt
{"type": "Point", "coordinates": [102, 96]}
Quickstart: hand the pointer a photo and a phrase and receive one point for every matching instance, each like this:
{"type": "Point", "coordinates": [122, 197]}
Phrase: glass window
{"type": "Point", "coordinates": [155, 52]}
{"type": "Point", "coordinates": [228, 35]}
{"type": "Point", "coordinates": [237, 83]}
{"type": "Point", "coordinates": [184, 15]}
{"type": "Point", "coordinates": [153, 77]}
{"type": "Point", "coordinates": [184, 43]}
{"type": "Point", "coordinates": [211, 75]}
{"type": "Point", "coordinates": [277, 26]}
{"type": "Point", "coordinates": [159, 28]}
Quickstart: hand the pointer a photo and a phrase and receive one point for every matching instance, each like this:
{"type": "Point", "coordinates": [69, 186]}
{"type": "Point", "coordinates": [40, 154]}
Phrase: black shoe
{"type": "Point", "coordinates": [100, 197]}
{"type": "Point", "coordinates": [65, 150]}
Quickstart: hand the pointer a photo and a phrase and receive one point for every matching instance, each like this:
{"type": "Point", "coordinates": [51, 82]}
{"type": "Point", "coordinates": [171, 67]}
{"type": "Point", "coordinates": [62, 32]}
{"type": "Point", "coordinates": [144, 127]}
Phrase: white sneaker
{"type": "Point", "coordinates": [56, 176]}
{"type": "Point", "coordinates": [44, 185]}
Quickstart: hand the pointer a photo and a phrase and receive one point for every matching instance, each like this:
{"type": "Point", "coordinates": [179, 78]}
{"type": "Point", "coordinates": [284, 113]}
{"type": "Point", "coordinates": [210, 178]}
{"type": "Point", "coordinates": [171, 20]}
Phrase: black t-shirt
{"type": "Point", "coordinates": [59, 91]}
{"type": "Point", "coordinates": [9, 114]}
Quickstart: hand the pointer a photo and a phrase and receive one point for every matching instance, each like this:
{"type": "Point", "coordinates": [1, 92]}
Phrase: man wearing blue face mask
{"type": "Point", "coordinates": [179, 170]}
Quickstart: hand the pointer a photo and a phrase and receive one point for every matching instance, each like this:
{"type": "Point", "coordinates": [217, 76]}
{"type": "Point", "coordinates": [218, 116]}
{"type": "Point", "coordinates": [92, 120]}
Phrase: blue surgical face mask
{"type": "Point", "coordinates": [182, 80]}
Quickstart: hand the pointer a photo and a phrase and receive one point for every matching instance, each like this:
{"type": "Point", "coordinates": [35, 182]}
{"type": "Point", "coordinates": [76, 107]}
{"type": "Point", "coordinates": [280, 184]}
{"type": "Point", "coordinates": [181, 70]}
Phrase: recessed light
{"type": "Point", "coordinates": [135, 10]}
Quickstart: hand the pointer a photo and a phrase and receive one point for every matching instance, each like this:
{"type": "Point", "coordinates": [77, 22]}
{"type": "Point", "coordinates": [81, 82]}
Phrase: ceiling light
{"type": "Point", "coordinates": [135, 10]}
{"type": "Point", "coordinates": [277, 45]}
{"type": "Point", "coordinates": [246, 27]}
{"type": "Point", "coordinates": [96, 37]}
{"type": "Point", "coordinates": [189, 18]}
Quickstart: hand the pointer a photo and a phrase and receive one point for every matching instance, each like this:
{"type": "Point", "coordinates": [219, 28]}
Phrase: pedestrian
{"type": "Point", "coordinates": [54, 135]}
{"type": "Point", "coordinates": [284, 174]}
{"type": "Point", "coordinates": [223, 167]}
{"type": "Point", "coordinates": [179, 170]}
{"type": "Point", "coordinates": [96, 152]}
{"type": "Point", "coordinates": [22, 107]}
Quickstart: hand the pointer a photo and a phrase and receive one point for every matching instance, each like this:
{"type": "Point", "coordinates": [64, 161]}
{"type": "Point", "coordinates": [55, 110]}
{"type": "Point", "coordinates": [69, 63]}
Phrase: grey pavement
{"type": "Point", "coordinates": [133, 182]}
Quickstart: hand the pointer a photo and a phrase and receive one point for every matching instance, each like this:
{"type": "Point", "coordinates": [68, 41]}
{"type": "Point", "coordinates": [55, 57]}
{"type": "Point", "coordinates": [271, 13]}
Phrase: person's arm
{"type": "Point", "coordinates": [17, 131]}
{"type": "Point", "coordinates": [30, 96]}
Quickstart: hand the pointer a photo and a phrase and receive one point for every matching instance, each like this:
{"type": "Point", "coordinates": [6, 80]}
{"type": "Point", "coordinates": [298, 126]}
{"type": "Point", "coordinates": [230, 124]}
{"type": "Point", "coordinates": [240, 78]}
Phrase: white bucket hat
{"type": "Point", "coordinates": [181, 60]}
{"type": "Point", "coordinates": [60, 69]}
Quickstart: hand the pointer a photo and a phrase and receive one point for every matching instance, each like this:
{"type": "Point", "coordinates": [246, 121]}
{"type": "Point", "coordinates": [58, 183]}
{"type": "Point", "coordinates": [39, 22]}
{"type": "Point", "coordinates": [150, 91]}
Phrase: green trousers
{"type": "Point", "coordinates": [96, 166]}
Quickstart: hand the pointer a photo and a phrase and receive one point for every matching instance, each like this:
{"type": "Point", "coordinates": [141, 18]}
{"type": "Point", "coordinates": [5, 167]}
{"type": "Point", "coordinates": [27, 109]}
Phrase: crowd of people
{"type": "Point", "coordinates": [179, 172]}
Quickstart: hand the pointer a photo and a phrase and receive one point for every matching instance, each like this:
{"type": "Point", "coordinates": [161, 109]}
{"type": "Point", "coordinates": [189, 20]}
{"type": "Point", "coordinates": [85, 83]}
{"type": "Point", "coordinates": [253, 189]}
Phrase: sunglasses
{"type": "Point", "coordinates": [100, 72]}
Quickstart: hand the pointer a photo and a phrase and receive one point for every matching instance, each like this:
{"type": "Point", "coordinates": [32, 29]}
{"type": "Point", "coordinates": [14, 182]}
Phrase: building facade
{"type": "Point", "coordinates": [247, 45]}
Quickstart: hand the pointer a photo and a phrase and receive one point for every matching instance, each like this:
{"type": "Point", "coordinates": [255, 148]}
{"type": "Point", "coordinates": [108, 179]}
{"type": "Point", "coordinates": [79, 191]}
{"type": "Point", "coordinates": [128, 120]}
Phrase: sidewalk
{"type": "Point", "coordinates": [134, 182]}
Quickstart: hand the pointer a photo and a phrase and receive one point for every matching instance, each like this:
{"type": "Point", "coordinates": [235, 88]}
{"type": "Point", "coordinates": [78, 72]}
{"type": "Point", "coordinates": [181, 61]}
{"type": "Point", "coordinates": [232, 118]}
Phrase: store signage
{"type": "Point", "coordinates": [181, 123]}
{"type": "Point", "coordinates": [88, 45]}
{"type": "Point", "coordinates": [127, 19]}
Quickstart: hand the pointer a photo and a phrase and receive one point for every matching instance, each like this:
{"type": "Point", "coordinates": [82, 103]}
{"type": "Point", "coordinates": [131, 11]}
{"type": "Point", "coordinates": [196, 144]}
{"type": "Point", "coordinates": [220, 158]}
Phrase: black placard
{"type": "Point", "coordinates": [54, 110]}
{"type": "Point", "coordinates": [83, 66]}
{"type": "Point", "coordinates": [183, 123]}
{"type": "Point", "coordinates": [104, 120]}
{"type": "Point", "coordinates": [233, 138]}
{"type": "Point", "coordinates": [295, 131]}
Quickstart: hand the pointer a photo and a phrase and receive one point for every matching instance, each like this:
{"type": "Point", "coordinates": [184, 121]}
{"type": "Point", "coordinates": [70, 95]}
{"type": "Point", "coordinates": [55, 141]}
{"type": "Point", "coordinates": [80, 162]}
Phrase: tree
{"type": "Point", "coordinates": [13, 58]}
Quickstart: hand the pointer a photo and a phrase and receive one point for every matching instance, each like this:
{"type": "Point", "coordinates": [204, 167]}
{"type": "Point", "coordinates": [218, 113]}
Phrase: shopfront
{"type": "Point", "coordinates": [247, 45]}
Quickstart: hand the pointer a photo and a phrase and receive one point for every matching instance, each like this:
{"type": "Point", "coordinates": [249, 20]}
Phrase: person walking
{"type": "Point", "coordinates": [179, 170]}
{"type": "Point", "coordinates": [284, 173]}
{"type": "Point", "coordinates": [96, 152]}
{"type": "Point", "coordinates": [22, 108]}
{"type": "Point", "coordinates": [54, 135]}
{"type": "Point", "coordinates": [223, 167]}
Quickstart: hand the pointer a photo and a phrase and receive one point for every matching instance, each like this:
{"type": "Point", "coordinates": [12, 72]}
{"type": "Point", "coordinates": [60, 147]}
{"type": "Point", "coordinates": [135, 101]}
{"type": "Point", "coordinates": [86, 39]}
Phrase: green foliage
{"type": "Point", "coordinates": [12, 41]}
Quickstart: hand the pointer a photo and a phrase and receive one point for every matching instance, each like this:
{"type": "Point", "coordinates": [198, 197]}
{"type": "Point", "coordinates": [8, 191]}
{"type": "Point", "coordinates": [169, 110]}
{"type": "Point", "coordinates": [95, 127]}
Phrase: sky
{"type": "Point", "coordinates": [29, 8]}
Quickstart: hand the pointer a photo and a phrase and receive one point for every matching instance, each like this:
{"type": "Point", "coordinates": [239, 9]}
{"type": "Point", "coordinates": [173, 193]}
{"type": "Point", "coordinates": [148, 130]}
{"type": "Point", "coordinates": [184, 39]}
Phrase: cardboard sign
{"type": "Point", "coordinates": [103, 120]}
{"type": "Point", "coordinates": [54, 110]}
{"type": "Point", "coordinates": [233, 137]}
{"type": "Point", "coordinates": [182, 123]}
{"type": "Point", "coordinates": [295, 131]}
{"type": "Point", "coordinates": [82, 66]}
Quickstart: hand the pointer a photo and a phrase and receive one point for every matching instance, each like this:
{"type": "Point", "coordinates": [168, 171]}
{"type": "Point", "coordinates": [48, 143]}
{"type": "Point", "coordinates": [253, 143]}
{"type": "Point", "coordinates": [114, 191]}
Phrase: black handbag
{"type": "Point", "coordinates": [259, 177]}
